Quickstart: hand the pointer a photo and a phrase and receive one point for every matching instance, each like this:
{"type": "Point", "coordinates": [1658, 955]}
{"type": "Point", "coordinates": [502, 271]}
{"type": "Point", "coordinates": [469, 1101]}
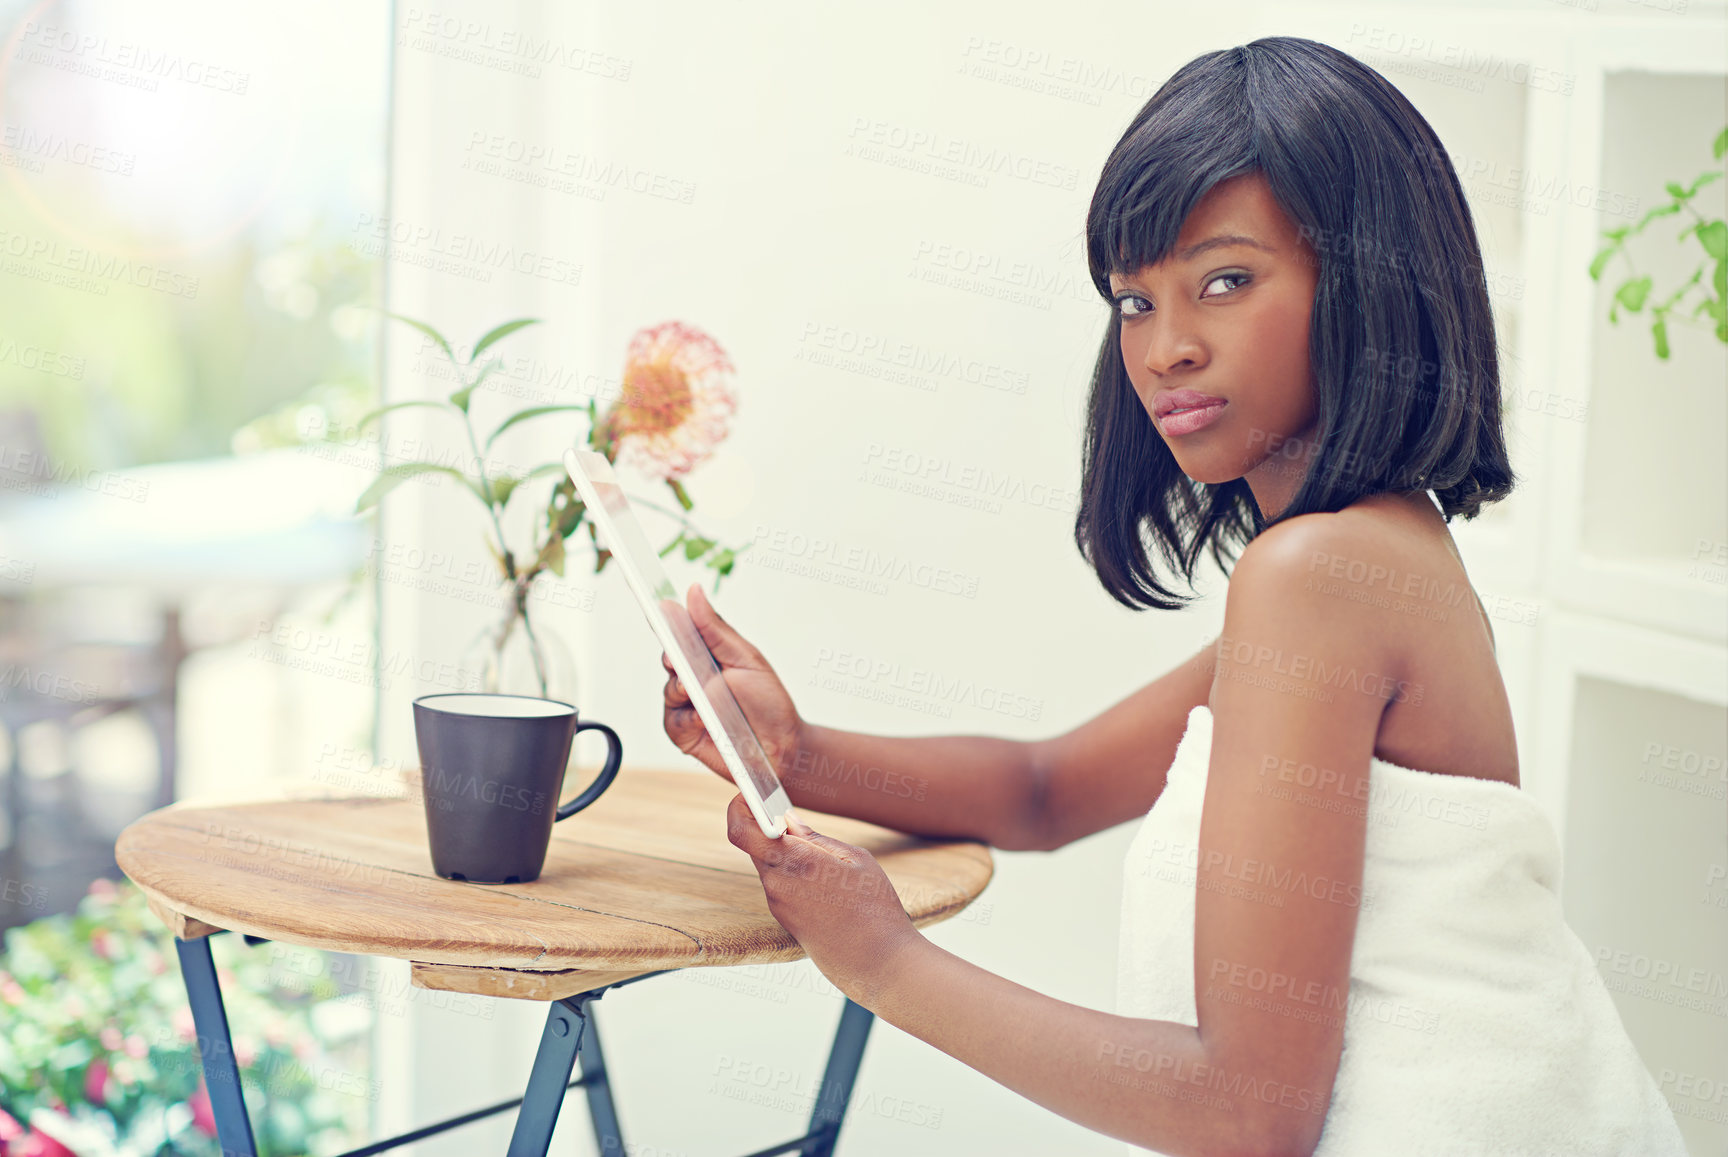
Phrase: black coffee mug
{"type": "Point", "coordinates": [491, 770]}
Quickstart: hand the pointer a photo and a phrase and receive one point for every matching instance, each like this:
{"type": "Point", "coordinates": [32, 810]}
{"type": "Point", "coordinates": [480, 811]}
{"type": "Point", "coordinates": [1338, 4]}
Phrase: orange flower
{"type": "Point", "coordinates": [675, 405]}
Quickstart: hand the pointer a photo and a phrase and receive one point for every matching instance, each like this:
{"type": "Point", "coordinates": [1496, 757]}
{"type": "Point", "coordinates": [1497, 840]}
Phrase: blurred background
{"type": "Point", "coordinates": [205, 213]}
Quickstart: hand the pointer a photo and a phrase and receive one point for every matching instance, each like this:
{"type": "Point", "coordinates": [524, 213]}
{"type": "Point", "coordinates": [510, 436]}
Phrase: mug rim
{"type": "Point", "coordinates": [425, 701]}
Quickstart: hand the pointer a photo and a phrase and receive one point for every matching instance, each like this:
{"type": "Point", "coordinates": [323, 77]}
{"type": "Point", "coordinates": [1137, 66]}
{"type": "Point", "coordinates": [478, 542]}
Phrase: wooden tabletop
{"type": "Point", "coordinates": [642, 880]}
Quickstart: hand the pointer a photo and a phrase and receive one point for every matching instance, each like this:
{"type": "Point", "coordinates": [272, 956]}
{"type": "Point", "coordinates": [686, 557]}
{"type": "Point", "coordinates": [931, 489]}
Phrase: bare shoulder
{"type": "Point", "coordinates": [1290, 571]}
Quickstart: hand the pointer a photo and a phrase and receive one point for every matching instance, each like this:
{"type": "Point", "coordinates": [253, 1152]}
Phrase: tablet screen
{"type": "Point", "coordinates": [647, 578]}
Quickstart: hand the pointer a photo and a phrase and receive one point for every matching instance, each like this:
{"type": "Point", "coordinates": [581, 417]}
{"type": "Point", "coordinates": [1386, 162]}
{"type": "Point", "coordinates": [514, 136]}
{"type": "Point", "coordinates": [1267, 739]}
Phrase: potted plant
{"type": "Point", "coordinates": [671, 414]}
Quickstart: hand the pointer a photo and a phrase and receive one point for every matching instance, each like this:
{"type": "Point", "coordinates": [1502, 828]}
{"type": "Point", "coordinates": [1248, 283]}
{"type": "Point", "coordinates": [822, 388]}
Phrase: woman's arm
{"type": "Point", "coordinates": [1015, 795]}
{"type": "Point", "coordinates": [972, 787]}
{"type": "Point", "coordinates": [1277, 896]}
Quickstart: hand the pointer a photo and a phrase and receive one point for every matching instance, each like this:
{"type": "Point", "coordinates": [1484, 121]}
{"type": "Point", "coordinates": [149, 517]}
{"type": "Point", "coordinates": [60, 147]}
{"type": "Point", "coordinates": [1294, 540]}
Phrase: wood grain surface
{"type": "Point", "coordinates": [643, 879]}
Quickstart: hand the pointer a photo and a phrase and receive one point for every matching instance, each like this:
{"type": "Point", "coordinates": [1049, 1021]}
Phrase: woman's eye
{"type": "Point", "coordinates": [1238, 277]}
{"type": "Point", "coordinates": [1132, 305]}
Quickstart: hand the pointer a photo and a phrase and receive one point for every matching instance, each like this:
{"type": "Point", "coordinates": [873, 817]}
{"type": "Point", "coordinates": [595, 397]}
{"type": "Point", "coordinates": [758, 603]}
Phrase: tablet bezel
{"type": "Point", "coordinates": [736, 742]}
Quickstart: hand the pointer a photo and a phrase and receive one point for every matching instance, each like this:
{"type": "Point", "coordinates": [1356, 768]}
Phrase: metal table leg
{"type": "Point", "coordinates": [216, 1048]}
{"type": "Point", "coordinates": [601, 1110]}
{"type": "Point", "coordinates": [836, 1091]}
{"type": "Point", "coordinates": [569, 1032]}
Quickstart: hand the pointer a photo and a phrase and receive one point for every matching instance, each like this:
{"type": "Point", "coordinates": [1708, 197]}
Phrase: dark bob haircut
{"type": "Point", "coordinates": [1401, 341]}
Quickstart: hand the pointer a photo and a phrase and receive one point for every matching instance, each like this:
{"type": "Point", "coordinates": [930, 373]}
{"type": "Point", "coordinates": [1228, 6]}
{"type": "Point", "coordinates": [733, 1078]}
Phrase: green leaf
{"type": "Point", "coordinates": [1633, 293]}
{"type": "Point", "coordinates": [1600, 261]}
{"type": "Point", "coordinates": [429, 332]}
{"type": "Point", "coordinates": [1720, 281]}
{"type": "Point", "coordinates": [523, 416]}
{"type": "Point", "coordinates": [1660, 330]}
{"type": "Point", "coordinates": [393, 476]}
{"type": "Point", "coordinates": [695, 546]}
{"type": "Point", "coordinates": [498, 334]}
{"type": "Point", "coordinates": [506, 485]}
{"type": "Point", "coordinates": [678, 491]}
{"type": "Point", "coordinates": [1658, 211]}
{"type": "Point", "coordinates": [460, 398]}
{"type": "Point", "coordinates": [1675, 190]}
{"type": "Point", "coordinates": [552, 555]}
{"type": "Point", "coordinates": [375, 414]}
{"type": "Point", "coordinates": [667, 549]}
{"type": "Point", "coordinates": [1721, 145]}
{"type": "Point", "coordinates": [1714, 237]}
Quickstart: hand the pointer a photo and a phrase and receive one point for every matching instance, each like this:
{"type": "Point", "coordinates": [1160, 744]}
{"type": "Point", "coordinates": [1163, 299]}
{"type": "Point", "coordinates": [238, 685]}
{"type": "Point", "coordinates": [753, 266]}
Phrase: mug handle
{"type": "Point", "coordinates": [614, 756]}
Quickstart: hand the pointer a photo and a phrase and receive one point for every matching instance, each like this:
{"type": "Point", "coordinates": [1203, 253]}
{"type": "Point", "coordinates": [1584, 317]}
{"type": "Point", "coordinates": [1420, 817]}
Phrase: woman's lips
{"type": "Point", "coordinates": [1179, 422]}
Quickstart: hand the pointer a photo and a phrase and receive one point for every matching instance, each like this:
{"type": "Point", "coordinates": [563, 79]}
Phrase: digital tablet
{"type": "Point", "coordinates": [682, 642]}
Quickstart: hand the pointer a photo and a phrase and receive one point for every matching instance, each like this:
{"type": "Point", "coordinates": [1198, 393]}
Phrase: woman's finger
{"type": "Point", "coordinates": [674, 693]}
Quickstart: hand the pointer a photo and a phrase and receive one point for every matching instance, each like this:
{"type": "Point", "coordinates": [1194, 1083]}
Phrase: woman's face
{"type": "Point", "coordinates": [1229, 320]}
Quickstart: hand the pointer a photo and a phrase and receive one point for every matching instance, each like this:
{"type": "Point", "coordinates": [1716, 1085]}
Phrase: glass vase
{"type": "Point", "coordinates": [516, 654]}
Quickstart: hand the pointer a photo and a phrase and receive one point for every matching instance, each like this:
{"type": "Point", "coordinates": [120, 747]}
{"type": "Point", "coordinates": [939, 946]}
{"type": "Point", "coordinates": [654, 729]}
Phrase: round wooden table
{"type": "Point", "coordinates": [642, 881]}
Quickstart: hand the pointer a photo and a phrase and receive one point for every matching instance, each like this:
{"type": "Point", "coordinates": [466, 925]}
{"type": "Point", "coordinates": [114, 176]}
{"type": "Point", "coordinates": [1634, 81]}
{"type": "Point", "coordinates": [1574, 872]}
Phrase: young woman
{"type": "Point", "coordinates": [1341, 927]}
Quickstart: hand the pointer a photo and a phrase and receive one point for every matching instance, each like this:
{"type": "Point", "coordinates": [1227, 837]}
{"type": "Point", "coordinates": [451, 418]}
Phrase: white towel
{"type": "Point", "coordinates": [1475, 1025]}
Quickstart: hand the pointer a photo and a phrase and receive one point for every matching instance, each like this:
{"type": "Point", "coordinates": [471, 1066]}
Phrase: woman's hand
{"type": "Point", "coordinates": [833, 897]}
{"type": "Point", "coordinates": [764, 699]}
